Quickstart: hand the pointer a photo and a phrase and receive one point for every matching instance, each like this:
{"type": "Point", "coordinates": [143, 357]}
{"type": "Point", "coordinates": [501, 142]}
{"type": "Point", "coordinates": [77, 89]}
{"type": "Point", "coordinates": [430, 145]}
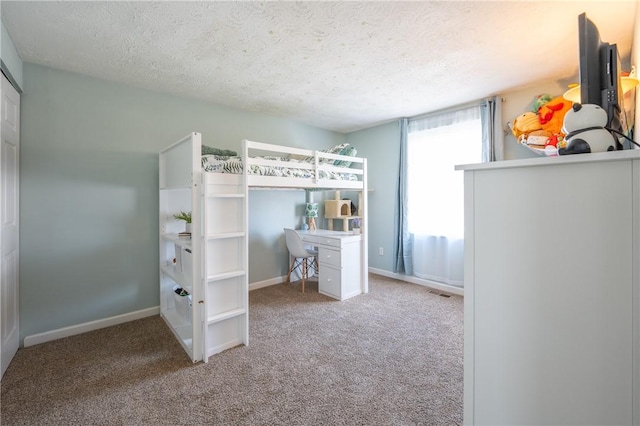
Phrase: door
{"type": "Point", "coordinates": [9, 196]}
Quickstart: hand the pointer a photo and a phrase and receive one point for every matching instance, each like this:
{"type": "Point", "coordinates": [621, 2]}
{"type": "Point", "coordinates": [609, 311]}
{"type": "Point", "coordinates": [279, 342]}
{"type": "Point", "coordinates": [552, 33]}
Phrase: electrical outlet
{"type": "Point", "coordinates": [381, 251]}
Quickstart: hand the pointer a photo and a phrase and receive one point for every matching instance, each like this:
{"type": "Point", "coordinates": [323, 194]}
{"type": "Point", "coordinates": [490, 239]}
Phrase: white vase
{"type": "Point", "coordinates": [187, 227]}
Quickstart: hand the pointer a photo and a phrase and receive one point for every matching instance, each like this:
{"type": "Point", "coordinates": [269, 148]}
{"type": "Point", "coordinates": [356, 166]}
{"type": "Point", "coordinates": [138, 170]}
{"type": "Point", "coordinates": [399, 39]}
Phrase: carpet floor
{"type": "Point", "coordinates": [389, 357]}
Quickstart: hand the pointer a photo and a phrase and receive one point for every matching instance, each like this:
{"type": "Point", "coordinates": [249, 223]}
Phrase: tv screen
{"type": "Point", "coordinates": [600, 76]}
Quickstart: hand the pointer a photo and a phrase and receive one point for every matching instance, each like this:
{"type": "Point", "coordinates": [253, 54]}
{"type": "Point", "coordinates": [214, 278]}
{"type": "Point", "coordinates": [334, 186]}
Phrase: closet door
{"type": "Point", "coordinates": [9, 196]}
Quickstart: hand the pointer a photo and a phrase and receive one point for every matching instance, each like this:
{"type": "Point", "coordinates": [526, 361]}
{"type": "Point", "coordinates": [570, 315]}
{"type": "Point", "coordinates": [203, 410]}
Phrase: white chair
{"type": "Point", "coordinates": [301, 256]}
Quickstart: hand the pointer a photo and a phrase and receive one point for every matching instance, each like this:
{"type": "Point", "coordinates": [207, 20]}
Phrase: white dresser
{"type": "Point", "coordinates": [552, 290]}
{"type": "Point", "coordinates": [339, 260]}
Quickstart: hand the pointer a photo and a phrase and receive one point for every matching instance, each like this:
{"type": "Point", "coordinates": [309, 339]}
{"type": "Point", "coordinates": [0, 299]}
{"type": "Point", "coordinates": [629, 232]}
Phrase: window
{"type": "Point", "coordinates": [430, 221]}
{"type": "Point", "coordinates": [435, 190]}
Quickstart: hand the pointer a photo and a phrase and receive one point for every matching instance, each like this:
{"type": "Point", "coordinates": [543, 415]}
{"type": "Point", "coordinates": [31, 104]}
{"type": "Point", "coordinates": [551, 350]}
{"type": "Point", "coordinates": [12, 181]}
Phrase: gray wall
{"type": "Point", "coordinates": [89, 192]}
{"type": "Point", "coordinates": [11, 62]}
{"type": "Point", "coordinates": [380, 145]}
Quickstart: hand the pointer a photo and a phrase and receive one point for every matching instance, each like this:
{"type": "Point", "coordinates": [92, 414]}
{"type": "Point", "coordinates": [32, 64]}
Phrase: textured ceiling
{"type": "Point", "coordinates": [342, 66]}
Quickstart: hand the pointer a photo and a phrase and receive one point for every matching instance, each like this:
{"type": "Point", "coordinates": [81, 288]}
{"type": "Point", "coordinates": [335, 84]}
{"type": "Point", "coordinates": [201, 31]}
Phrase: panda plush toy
{"type": "Point", "coordinates": [584, 127]}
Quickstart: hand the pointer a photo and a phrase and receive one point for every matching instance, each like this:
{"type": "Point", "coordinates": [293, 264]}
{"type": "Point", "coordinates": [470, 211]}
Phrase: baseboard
{"type": "Point", "coordinates": [60, 333]}
{"type": "Point", "coordinates": [407, 278]}
{"type": "Point", "coordinates": [48, 336]}
{"type": "Point", "coordinates": [266, 283]}
{"type": "Point", "coordinates": [420, 281]}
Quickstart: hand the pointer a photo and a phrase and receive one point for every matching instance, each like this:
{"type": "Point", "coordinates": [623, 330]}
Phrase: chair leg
{"type": "Point", "coordinates": [305, 264]}
{"type": "Point", "coordinates": [304, 272]}
{"type": "Point", "coordinates": [293, 262]}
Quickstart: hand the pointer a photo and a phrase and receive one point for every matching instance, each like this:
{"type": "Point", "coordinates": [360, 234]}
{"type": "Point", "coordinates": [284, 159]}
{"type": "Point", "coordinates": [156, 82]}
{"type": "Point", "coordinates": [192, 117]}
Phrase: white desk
{"type": "Point", "coordinates": [339, 261]}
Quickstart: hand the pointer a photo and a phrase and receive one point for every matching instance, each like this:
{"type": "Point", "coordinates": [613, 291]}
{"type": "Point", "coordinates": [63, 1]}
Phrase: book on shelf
{"type": "Point", "coordinates": [184, 234]}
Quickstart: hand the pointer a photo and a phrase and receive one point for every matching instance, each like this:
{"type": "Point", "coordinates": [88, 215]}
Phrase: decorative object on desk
{"type": "Point", "coordinates": [355, 225]}
{"type": "Point", "coordinates": [311, 212]}
{"type": "Point", "coordinates": [586, 131]}
{"type": "Point", "coordinates": [186, 216]}
{"type": "Point", "coordinates": [341, 209]}
{"type": "Point", "coordinates": [336, 209]}
{"type": "Point", "coordinates": [353, 210]}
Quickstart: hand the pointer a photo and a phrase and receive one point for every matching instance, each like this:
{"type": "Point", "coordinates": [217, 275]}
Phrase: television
{"type": "Point", "coordinates": [600, 77]}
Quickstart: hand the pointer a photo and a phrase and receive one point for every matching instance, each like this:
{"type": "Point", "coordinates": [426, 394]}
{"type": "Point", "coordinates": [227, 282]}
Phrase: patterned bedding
{"type": "Point", "coordinates": [224, 161]}
{"type": "Point", "coordinates": [233, 164]}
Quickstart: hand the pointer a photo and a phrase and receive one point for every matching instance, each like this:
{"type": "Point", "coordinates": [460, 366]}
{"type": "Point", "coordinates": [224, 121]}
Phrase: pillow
{"type": "Point", "coordinates": [349, 151]}
{"type": "Point", "coordinates": [207, 150]}
{"type": "Point", "coordinates": [334, 150]}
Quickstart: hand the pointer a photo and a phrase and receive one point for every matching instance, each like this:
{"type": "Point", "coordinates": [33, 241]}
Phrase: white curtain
{"type": "Point", "coordinates": [435, 191]}
{"type": "Point", "coordinates": [439, 259]}
{"type": "Point", "coordinates": [429, 225]}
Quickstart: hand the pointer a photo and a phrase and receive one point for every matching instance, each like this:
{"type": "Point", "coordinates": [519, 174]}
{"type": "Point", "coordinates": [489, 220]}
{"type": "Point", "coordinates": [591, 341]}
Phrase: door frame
{"type": "Point", "coordinates": [9, 223]}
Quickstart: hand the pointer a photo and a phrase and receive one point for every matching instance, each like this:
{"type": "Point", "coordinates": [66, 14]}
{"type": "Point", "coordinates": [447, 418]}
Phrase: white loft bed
{"type": "Point", "coordinates": [318, 168]}
{"type": "Point", "coordinates": [217, 278]}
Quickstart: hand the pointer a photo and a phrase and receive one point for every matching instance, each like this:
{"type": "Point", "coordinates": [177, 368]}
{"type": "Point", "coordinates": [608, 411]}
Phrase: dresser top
{"type": "Point", "coordinates": [631, 154]}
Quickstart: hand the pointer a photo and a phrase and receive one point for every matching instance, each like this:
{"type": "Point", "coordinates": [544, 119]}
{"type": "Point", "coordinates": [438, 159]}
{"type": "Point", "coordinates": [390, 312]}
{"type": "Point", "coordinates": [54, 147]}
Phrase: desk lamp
{"type": "Point", "coordinates": [311, 212]}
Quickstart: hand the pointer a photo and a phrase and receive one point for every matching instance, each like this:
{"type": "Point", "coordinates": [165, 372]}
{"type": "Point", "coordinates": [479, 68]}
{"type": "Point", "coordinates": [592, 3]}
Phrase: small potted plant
{"type": "Point", "coordinates": [186, 216]}
{"type": "Point", "coordinates": [355, 225]}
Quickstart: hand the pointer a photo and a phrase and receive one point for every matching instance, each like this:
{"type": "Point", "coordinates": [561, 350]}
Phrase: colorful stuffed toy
{"type": "Point", "coordinates": [538, 138]}
{"type": "Point", "coordinates": [542, 126]}
{"type": "Point", "coordinates": [555, 141]}
{"type": "Point", "coordinates": [552, 113]}
{"type": "Point", "coordinates": [539, 101]}
{"type": "Point", "coordinates": [525, 124]}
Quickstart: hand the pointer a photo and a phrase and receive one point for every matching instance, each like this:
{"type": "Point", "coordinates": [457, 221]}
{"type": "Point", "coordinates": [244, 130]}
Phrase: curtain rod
{"type": "Point", "coordinates": [481, 103]}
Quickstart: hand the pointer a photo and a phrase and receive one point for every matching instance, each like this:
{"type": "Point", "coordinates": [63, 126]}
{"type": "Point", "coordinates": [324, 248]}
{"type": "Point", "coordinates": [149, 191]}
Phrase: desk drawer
{"type": "Point", "coordinates": [329, 282]}
{"type": "Point", "coordinates": [321, 241]}
{"type": "Point", "coordinates": [329, 257]}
